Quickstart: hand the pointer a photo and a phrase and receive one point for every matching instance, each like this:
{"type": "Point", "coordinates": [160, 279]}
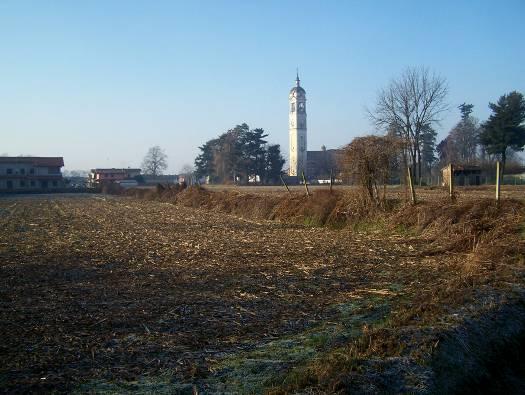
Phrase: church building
{"type": "Point", "coordinates": [316, 165]}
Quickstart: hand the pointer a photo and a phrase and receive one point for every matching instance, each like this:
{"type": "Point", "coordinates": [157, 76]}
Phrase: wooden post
{"type": "Point", "coordinates": [305, 184]}
{"type": "Point", "coordinates": [284, 183]}
{"type": "Point", "coordinates": [451, 181]}
{"type": "Point", "coordinates": [411, 186]}
{"type": "Point", "coordinates": [331, 180]}
{"type": "Point", "coordinates": [498, 183]}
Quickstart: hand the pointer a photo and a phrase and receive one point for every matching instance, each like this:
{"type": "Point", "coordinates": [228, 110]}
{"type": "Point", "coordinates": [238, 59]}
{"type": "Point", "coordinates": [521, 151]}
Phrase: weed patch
{"type": "Point", "coordinates": [285, 361]}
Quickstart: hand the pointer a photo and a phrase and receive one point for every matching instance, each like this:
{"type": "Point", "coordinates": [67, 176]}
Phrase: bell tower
{"type": "Point", "coordinates": [297, 129]}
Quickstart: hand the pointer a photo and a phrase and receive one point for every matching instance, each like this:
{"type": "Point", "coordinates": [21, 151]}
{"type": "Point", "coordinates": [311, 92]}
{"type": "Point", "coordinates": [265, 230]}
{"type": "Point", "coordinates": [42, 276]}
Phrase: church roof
{"type": "Point", "coordinates": [298, 89]}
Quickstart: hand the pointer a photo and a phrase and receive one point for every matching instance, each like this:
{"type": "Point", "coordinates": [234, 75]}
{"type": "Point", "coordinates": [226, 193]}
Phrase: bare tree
{"type": "Point", "coordinates": [369, 161]}
{"type": "Point", "coordinates": [155, 161]}
{"type": "Point", "coordinates": [409, 105]}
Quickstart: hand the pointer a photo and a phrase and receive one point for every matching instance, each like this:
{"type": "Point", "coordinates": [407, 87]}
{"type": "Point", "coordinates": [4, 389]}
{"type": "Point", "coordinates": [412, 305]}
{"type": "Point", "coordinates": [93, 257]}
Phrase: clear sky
{"type": "Point", "coordinates": [99, 82]}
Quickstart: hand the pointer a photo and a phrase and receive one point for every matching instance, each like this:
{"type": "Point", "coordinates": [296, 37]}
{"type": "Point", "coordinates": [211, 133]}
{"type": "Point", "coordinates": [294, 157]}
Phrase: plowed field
{"type": "Point", "coordinates": [115, 294]}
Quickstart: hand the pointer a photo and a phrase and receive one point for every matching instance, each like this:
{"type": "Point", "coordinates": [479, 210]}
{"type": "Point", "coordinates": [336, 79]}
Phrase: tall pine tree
{"type": "Point", "coordinates": [504, 129]}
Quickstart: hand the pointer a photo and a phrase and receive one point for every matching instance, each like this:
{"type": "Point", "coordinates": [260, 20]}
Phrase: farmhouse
{"type": "Point", "coordinates": [107, 176]}
{"type": "Point", "coordinates": [28, 173]}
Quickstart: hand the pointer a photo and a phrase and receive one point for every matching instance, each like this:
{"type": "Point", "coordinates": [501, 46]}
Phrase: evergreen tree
{"type": "Point", "coordinates": [465, 136]}
{"type": "Point", "coordinates": [428, 148]}
{"type": "Point", "coordinates": [461, 144]}
{"type": "Point", "coordinates": [445, 150]}
{"type": "Point", "coordinates": [204, 161]}
{"type": "Point", "coordinates": [466, 110]}
{"type": "Point", "coordinates": [240, 154]}
{"type": "Point", "coordinates": [504, 129]}
{"type": "Point", "coordinates": [253, 146]}
{"type": "Point", "coordinates": [274, 163]}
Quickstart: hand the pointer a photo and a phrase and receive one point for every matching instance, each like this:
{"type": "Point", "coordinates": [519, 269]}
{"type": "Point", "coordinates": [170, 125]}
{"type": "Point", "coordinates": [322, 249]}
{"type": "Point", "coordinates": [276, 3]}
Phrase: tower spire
{"type": "Point", "coordinates": [297, 80]}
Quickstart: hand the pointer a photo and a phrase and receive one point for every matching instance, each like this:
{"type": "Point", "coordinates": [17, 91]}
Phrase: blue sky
{"type": "Point", "coordinates": [99, 82]}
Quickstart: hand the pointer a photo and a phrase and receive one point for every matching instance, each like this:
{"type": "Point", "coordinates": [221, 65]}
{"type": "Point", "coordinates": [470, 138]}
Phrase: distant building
{"type": "Point", "coordinates": [463, 175]}
{"type": "Point", "coordinates": [321, 163]}
{"type": "Point", "coordinates": [28, 174]}
{"type": "Point", "coordinates": [128, 183]}
{"type": "Point", "coordinates": [107, 176]}
{"type": "Point", "coordinates": [160, 179]}
{"type": "Point", "coordinates": [297, 129]}
{"type": "Point", "coordinates": [316, 165]}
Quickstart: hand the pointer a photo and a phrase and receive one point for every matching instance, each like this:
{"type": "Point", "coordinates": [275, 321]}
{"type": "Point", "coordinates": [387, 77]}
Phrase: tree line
{"type": "Point", "coordinates": [411, 106]}
{"type": "Point", "coordinates": [238, 156]}
{"type": "Point", "coordinates": [407, 110]}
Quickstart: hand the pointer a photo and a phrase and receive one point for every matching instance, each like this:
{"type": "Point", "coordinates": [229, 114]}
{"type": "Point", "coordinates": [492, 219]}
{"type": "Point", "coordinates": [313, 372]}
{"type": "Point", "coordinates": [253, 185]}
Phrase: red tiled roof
{"type": "Point", "coordinates": [125, 170]}
{"type": "Point", "coordinates": [49, 161]}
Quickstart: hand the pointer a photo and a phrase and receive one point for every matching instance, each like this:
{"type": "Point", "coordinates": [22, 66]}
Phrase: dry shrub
{"type": "Point", "coordinates": [368, 160]}
{"type": "Point", "coordinates": [483, 228]}
{"type": "Point", "coordinates": [232, 202]}
{"type": "Point", "coordinates": [112, 189]}
{"type": "Point", "coordinates": [249, 205]}
{"type": "Point", "coordinates": [321, 208]}
{"type": "Point", "coordinates": [194, 196]}
{"type": "Point", "coordinates": [169, 193]}
{"type": "Point", "coordinates": [318, 208]}
{"type": "Point", "coordinates": [502, 244]}
{"type": "Point", "coordinates": [141, 193]}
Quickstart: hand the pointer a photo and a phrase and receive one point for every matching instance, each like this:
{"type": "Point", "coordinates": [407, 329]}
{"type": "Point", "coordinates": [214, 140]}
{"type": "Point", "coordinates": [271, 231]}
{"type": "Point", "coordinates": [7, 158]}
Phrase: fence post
{"type": "Point", "coordinates": [305, 184]}
{"type": "Point", "coordinates": [498, 186]}
{"type": "Point", "coordinates": [331, 180]}
{"type": "Point", "coordinates": [411, 184]}
{"type": "Point", "coordinates": [284, 183]}
{"type": "Point", "coordinates": [451, 181]}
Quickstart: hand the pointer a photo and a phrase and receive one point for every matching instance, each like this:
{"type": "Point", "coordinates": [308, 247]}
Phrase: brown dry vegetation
{"type": "Point", "coordinates": [115, 294]}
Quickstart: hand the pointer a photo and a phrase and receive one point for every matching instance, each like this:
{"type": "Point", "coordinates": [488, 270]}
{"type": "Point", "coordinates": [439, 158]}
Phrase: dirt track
{"type": "Point", "coordinates": [100, 292]}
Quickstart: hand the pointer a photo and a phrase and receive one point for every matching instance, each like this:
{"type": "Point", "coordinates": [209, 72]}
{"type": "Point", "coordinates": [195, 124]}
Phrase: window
{"type": "Point", "coordinates": [9, 184]}
{"type": "Point", "coordinates": [55, 183]}
{"type": "Point", "coordinates": [22, 184]}
{"type": "Point", "coordinates": [22, 171]}
{"type": "Point", "coordinates": [293, 107]}
{"type": "Point", "coordinates": [32, 183]}
{"type": "Point", "coordinates": [53, 170]}
{"type": "Point", "coordinates": [9, 171]}
{"type": "Point", "coordinates": [32, 171]}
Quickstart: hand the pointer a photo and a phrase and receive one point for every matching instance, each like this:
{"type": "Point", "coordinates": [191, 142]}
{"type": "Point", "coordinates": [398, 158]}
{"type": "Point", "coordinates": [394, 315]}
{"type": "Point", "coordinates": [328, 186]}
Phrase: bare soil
{"type": "Point", "coordinates": [103, 294]}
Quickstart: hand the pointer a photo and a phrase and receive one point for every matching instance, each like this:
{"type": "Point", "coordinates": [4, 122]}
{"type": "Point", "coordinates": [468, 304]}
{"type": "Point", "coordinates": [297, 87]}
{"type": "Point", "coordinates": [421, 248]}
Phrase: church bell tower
{"type": "Point", "coordinates": [297, 129]}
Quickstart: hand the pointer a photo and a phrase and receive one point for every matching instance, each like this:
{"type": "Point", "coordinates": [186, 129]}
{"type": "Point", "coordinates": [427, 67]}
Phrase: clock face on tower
{"type": "Point", "coordinates": [301, 107]}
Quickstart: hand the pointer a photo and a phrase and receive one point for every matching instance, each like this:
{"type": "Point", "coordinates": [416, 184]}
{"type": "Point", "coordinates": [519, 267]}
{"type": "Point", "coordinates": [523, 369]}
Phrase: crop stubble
{"type": "Point", "coordinates": [115, 289]}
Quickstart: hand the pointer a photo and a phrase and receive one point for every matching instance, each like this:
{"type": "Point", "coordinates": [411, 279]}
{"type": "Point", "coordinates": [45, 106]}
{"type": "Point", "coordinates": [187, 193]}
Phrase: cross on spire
{"type": "Point", "coordinates": [297, 80]}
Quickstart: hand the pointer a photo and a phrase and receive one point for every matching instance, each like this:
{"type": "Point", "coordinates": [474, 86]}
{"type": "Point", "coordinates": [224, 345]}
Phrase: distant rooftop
{"type": "Point", "coordinates": [114, 170]}
{"type": "Point", "coordinates": [50, 161]}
